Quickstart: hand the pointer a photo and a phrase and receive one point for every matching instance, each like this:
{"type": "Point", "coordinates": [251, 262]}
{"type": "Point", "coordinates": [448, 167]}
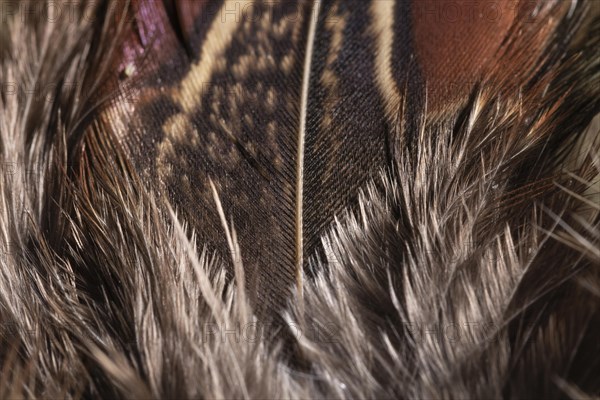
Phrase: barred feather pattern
{"type": "Point", "coordinates": [470, 267]}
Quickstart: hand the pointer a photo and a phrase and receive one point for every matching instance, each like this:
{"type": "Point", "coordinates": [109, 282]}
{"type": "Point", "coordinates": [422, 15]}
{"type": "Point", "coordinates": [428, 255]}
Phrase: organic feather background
{"type": "Point", "coordinates": [354, 199]}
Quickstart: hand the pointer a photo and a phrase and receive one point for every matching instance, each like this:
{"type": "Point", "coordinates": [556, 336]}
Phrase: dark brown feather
{"type": "Point", "coordinates": [449, 210]}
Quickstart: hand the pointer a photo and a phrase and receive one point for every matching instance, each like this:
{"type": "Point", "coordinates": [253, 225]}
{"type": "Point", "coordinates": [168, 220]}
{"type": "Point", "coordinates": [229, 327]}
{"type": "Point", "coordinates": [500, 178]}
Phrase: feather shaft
{"type": "Point", "coordinates": [301, 139]}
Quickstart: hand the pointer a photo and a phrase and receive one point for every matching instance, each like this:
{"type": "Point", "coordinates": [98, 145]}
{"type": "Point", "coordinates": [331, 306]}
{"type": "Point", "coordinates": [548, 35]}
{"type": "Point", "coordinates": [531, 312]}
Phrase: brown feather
{"type": "Point", "coordinates": [450, 215]}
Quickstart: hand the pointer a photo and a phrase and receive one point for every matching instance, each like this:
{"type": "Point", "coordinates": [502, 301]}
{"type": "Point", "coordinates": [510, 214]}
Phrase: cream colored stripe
{"type": "Point", "coordinates": [218, 39]}
{"type": "Point", "coordinates": [382, 14]}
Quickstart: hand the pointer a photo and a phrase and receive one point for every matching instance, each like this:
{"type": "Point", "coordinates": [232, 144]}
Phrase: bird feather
{"type": "Point", "coordinates": [436, 180]}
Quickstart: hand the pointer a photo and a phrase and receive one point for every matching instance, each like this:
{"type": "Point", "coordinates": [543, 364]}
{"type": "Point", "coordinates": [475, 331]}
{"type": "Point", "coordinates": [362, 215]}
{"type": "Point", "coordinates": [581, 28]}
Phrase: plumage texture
{"type": "Point", "coordinates": [455, 253]}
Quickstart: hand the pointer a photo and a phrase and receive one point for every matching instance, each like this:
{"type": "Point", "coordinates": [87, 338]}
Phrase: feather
{"type": "Point", "coordinates": [349, 199]}
{"type": "Point", "coordinates": [266, 111]}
